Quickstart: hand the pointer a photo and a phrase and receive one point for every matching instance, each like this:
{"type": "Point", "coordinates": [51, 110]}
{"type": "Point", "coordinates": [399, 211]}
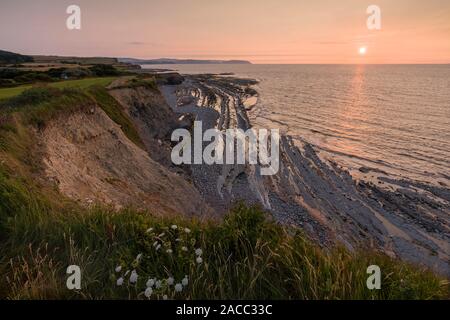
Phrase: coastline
{"type": "Point", "coordinates": [320, 197]}
{"type": "Point", "coordinates": [106, 180]}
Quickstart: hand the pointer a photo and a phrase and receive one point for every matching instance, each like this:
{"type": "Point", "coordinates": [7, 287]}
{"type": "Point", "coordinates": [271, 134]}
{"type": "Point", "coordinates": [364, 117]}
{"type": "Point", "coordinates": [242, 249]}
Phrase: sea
{"type": "Point", "coordinates": [390, 120]}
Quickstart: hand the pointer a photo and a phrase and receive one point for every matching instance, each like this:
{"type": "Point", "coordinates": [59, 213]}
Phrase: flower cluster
{"type": "Point", "coordinates": [171, 244]}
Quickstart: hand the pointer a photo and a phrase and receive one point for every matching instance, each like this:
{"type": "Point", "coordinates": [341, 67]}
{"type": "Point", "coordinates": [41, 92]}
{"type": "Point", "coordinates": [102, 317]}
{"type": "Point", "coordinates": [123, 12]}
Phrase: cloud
{"type": "Point", "coordinates": [141, 43]}
{"type": "Point", "coordinates": [330, 42]}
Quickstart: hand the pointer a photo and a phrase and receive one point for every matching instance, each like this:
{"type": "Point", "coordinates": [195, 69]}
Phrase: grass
{"type": "Point", "coordinates": [115, 111]}
{"type": "Point", "coordinates": [246, 256]}
{"type": "Point", "coordinates": [149, 83]}
{"type": "Point", "coordinates": [40, 104]}
{"type": "Point", "coordinates": [7, 93]}
{"type": "Point", "coordinates": [84, 83]}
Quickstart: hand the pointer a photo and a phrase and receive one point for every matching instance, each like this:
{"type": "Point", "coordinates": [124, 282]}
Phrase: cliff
{"type": "Point", "coordinates": [85, 180]}
{"type": "Point", "coordinates": [113, 152]}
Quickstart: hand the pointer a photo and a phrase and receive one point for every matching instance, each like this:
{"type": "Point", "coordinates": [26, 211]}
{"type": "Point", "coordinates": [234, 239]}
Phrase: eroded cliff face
{"type": "Point", "coordinates": [152, 117]}
{"type": "Point", "coordinates": [91, 160]}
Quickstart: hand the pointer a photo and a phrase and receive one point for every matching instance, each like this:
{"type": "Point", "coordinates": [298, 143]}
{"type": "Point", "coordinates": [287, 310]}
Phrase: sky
{"type": "Point", "coordinates": [261, 31]}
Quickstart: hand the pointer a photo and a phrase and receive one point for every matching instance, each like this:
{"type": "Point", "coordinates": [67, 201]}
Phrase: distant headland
{"type": "Point", "coordinates": [180, 61]}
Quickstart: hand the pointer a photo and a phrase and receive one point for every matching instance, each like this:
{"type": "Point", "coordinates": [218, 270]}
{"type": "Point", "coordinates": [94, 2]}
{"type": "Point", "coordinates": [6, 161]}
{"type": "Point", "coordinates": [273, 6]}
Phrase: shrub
{"type": "Point", "coordinates": [33, 96]}
{"type": "Point", "coordinates": [5, 83]}
{"type": "Point", "coordinates": [104, 70]}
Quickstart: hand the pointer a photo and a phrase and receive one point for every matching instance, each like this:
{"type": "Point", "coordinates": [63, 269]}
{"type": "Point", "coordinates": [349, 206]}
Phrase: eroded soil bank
{"type": "Point", "coordinates": [90, 159]}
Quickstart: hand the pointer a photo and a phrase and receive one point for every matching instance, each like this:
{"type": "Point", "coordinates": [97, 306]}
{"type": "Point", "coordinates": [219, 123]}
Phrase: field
{"type": "Point", "coordinates": [6, 93]}
{"type": "Point", "coordinates": [74, 60]}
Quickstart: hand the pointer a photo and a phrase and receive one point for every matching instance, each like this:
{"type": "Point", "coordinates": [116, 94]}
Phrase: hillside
{"type": "Point", "coordinates": [13, 58]}
{"type": "Point", "coordinates": [180, 61]}
{"type": "Point", "coordinates": [74, 60]}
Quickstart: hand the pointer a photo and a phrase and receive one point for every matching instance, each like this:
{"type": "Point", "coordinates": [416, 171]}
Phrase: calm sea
{"type": "Point", "coordinates": [391, 118]}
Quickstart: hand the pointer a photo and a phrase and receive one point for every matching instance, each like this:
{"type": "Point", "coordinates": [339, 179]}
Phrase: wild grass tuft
{"type": "Point", "coordinates": [115, 111]}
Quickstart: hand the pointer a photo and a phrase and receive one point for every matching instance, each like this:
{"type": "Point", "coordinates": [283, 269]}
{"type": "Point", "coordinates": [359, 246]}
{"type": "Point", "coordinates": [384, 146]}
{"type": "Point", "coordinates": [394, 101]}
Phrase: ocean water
{"type": "Point", "coordinates": [393, 119]}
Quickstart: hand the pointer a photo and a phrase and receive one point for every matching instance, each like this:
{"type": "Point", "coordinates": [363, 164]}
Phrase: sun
{"type": "Point", "coordinates": [362, 51]}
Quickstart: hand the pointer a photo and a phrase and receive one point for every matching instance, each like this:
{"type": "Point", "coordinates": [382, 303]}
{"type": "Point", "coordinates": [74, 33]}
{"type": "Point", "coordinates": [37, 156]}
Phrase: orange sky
{"type": "Point", "coordinates": [263, 31]}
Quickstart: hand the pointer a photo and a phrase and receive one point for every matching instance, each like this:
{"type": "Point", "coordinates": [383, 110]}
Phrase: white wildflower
{"type": "Point", "coordinates": [187, 230]}
{"type": "Point", "coordinates": [150, 283]}
{"type": "Point", "coordinates": [170, 281]}
{"type": "Point", "coordinates": [119, 281]}
{"type": "Point", "coordinates": [158, 284]}
{"type": "Point", "coordinates": [178, 287]}
{"type": "Point", "coordinates": [199, 260]}
{"type": "Point", "coordinates": [133, 276]}
{"type": "Point", "coordinates": [198, 252]}
{"type": "Point", "coordinates": [174, 227]}
{"type": "Point", "coordinates": [148, 292]}
{"type": "Point", "coordinates": [118, 268]}
{"type": "Point", "coordinates": [185, 281]}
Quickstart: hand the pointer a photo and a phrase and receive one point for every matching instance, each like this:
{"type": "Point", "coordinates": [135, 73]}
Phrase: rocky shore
{"type": "Point", "coordinates": [407, 220]}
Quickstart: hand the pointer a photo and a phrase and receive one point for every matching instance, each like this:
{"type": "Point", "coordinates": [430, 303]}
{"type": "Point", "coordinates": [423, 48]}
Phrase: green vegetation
{"type": "Point", "coordinates": [104, 70]}
{"type": "Point", "coordinates": [84, 83]}
{"type": "Point", "coordinates": [75, 60]}
{"type": "Point", "coordinates": [114, 110]}
{"type": "Point", "coordinates": [10, 77]}
{"type": "Point", "coordinates": [21, 75]}
{"type": "Point", "coordinates": [148, 82]}
{"type": "Point", "coordinates": [7, 93]}
{"type": "Point", "coordinates": [13, 58]}
{"type": "Point", "coordinates": [39, 104]}
{"type": "Point", "coordinates": [245, 256]}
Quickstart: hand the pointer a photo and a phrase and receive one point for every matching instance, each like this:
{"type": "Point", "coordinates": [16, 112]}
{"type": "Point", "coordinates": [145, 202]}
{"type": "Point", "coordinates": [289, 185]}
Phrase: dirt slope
{"type": "Point", "coordinates": [91, 160]}
{"type": "Point", "coordinates": [152, 117]}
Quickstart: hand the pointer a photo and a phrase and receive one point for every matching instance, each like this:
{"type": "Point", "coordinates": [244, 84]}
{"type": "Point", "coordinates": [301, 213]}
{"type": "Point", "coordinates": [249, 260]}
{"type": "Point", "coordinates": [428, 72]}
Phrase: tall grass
{"type": "Point", "coordinates": [259, 260]}
{"type": "Point", "coordinates": [7, 93]}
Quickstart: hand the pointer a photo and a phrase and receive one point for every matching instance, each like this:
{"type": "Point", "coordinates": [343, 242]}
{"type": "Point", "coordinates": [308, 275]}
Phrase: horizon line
{"type": "Point", "coordinates": [242, 59]}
